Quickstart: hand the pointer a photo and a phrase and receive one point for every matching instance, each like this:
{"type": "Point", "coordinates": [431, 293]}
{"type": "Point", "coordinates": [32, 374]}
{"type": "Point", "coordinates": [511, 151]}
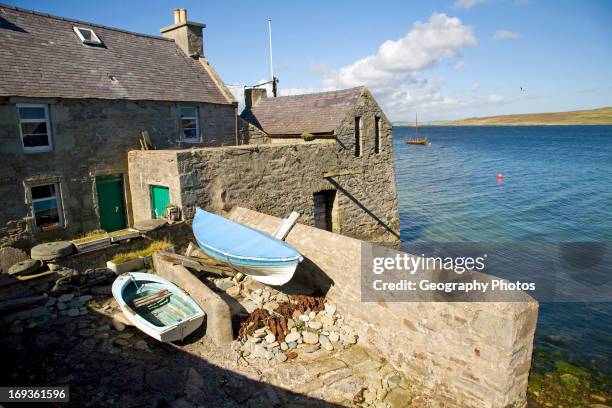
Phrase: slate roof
{"type": "Point", "coordinates": [293, 115]}
{"type": "Point", "coordinates": [41, 56]}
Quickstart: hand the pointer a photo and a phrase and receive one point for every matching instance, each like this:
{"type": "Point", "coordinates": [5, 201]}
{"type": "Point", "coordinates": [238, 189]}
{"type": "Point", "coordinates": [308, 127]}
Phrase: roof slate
{"type": "Point", "coordinates": [43, 57]}
{"type": "Point", "coordinates": [293, 115]}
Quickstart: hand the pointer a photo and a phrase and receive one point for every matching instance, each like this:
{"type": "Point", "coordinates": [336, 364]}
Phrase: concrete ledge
{"type": "Point", "coordinates": [218, 314]}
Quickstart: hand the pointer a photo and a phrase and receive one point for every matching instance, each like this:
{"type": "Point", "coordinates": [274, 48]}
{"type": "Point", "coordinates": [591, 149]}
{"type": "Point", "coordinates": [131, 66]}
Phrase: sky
{"type": "Point", "coordinates": [443, 59]}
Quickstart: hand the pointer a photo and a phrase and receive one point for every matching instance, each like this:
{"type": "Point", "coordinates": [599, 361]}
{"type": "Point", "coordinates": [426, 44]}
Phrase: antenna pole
{"type": "Point", "coordinates": [271, 61]}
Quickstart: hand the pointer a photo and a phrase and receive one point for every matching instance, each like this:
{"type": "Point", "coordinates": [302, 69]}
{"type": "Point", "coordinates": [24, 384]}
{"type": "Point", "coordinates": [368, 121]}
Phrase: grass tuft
{"type": "Point", "coordinates": [154, 247]}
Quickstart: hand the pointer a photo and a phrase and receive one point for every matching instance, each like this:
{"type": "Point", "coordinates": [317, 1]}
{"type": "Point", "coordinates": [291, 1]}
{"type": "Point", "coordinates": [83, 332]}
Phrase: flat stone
{"type": "Point", "coordinates": [270, 306]}
{"type": "Point", "coordinates": [349, 338]}
{"type": "Point", "coordinates": [333, 336]}
{"type": "Point", "coordinates": [330, 309]}
{"type": "Point", "coordinates": [311, 348]}
{"type": "Point", "coordinates": [313, 324]}
{"type": "Point", "coordinates": [292, 337]}
{"type": "Point", "coordinates": [304, 318]}
{"type": "Point", "coordinates": [54, 267]}
{"type": "Point", "coordinates": [51, 302]}
{"type": "Point", "coordinates": [292, 345]}
{"type": "Point", "coordinates": [310, 338]}
{"type": "Point", "coordinates": [52, 250]}
{"type": "Point", "coordinates": [250, 306]}
{"type": "Point", "coordinates": [280, 357]}
{"type": "Point", "coordinates": [27, 267]}
{"type": "Point", "coordinates": [66, 297]}
{"type": "Point", "coordinates": [270, 338]}
{"type": "Point", "coordinates": [73, 312]}
{"type": "Point", "coordinates": [224, 284]}
{"type": "Point", "coordinates": [121, 342]}
{"type": "Point", "coordinates": [9, 256]}
{"type": "Point", "coordinates": [85, 298]}
{"type": "Point", "coordinates": [325, 343]}
{"type": "Point", "coordinates": [234, 291]}
{"type": "Point", "coordinates": [273, 345]}
{"type": "Point", "coordinates": [87, 332]}
{"type": "Point", "coordinates": [101, 290]}
{"type": "Point", "coordinates": [284, 346]}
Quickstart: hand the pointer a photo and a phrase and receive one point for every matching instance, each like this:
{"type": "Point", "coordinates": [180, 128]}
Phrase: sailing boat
{"type": "Point", "coordinates": [416, 140]}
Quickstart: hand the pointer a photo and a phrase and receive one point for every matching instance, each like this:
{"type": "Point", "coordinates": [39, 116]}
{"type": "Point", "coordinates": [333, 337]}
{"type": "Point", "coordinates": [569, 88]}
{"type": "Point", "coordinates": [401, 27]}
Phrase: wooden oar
{"type": "Point", "coordinates": [152, 298]}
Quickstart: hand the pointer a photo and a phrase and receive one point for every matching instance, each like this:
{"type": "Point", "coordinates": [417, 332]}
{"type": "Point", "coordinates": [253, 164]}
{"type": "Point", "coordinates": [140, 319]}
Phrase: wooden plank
{"type": "Point", "coordinates": [328, 174]}
{"type": "Point", "coordinates": [285, 227]}
{"type": "Point", "coordinates": [13, 304]}
{"type": "Point", "coordinates": [152, 298]}
{"type": "Point", "coordinates": [200, 264]}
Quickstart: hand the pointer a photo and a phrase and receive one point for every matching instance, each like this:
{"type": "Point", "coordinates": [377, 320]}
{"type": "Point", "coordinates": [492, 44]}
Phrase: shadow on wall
{"type": "Point", "coordinates": [105, 368]}
{"type": "Point", "coordinates": [363, 207]}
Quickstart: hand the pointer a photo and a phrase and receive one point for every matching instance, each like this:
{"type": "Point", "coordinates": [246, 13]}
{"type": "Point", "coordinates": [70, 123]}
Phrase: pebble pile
{"type": "Point", "coordinates": [281, 327]}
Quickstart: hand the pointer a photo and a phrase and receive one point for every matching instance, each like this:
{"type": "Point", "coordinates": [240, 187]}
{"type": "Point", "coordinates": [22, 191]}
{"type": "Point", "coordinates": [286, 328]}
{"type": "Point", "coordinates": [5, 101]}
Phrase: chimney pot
{"type": "Point", "coordinates": [177, 16]}
{"type": "Point", "coordinates": [183, 15]}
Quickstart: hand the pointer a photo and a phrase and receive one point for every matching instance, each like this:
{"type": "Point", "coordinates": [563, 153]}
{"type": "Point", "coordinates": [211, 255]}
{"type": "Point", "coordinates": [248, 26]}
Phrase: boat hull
{"type": "Point", "coordinates": [275, 269]}
{"type": "Point", "coordinates": [187, 314]}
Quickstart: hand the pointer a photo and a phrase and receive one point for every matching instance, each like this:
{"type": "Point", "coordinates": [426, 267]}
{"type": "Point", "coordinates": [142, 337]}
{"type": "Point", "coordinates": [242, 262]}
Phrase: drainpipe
{"type": "Point", "coordinates": [236, 124]}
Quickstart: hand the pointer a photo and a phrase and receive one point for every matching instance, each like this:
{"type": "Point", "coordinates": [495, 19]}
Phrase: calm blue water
{"type": "Point", "coordinates": [557, 187]}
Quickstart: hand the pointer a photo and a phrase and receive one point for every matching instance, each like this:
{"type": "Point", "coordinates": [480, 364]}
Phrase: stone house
{"type": "Point", "coordinates": [75, 97]}
{"type": "Point", "coordinates": [342, 181]}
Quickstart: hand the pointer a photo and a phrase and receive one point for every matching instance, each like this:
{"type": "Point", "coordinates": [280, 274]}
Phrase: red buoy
{"type": "Point", "coordinates": [499, 177]}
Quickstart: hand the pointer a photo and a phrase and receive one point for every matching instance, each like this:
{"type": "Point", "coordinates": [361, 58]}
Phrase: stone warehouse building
{"type": "Point", "coordinates": [343, 181]}
{"type": "Point", "coordinates": [79, 100]}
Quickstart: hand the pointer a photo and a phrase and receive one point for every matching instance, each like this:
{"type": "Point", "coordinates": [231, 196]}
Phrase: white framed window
{"type": "Point", "coordinates": [190, 124]}
{"type": "Point", "coordinates": [87, 36]}
{"type": "Point", "coordinates": [35, 128]}
{"type": "Point", "coordinates": [47, 206]}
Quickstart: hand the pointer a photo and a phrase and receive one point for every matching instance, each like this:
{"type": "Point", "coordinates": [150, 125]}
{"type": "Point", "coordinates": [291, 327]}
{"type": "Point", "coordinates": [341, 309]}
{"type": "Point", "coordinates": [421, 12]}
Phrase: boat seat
{"type": "Point", "coordinates": [152, 298]}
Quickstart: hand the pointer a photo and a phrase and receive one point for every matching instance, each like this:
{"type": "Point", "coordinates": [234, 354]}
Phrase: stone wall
{"type": "Point", "coordinates": [282, 177]}
{"type": "Point", "coordinates": [276, 179]}
{"type": "Point", "coordinates": [90, 138]}
{"type": "Point", "coordinates": [461, 354]}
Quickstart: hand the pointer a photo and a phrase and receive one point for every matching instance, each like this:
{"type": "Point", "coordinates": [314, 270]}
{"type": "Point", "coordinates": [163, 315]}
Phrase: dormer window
{"type": "Point", "coordinates": [87, 36]}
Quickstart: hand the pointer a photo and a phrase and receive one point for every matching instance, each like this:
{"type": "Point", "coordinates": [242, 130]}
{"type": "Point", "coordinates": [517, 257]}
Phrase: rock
{"type": "Point", "coordinates": [121, 342]}
{"type": "Point", "coordinates": [168, 381]}
{"type": "Point", "coordinates": [224, 284]}
{"type": "Point", "coordinates": [27, 267]}
{"type": "Point", "coordinates": [325, 343]}
{"type": "Point", "coordinates": [66, 297]}
{"type": "Point", "coordinates": [304, 318]}
{"type": "Point", "coordinates": [394, 379]}
{"type": "Point", "coordinates": [271, 306]}
{"type": "Point", "coordinates": [270, 338]}
{"type": "Point", "coordinates": [9, 256]}
{"type": "Point", "coordinates": [149, 225]}
{"type": "Point", "coordinates": [272, 346]}
{"type": "Point", "coordinates": [310, 338]}
{"type": "Point", "coordinates": [250, 306]}
{"type": "Point", "coordinates": [330, 309]}
{"type": "Point", "coordinates": [284, 346]}
{"type": "Point", "coordinates": [52, 250]}
{"type": "Point", "coordinates": [349, 338]}
{"type": "Point", "coordinates": [73, 312]}
{"type": "Point", "coordinates": [569, 380]}
{"type": "Point", "coordinates": [333, 336]}
{"type": "Point", "coordinates": [84, 299]}
{"type": "Point", "coordinates": [101, 290]}
{"type": "Point", "coordinates": [54, 267]}
{"type": "Point", "coordinates": [51, 302]}
{"type": "Point", "coordinates": [119, 326]}
{"type": "Point", "coordinates": [313, 324]}
{"type": "Point", "coordinates": [260, 351]}
{"type": "Point", "coordinates": [292, 337]}
{"type": "Point", "coordinates": [292, 345]}
{"type": "Point", "coordinates": [281, 357]}
{"type": "Point", "coordinates": [312, 315]}
{"type": "Point", "coordinates": [239, 277]}
{"type": "Point", "coordinates": [311, 348]}
{"type": "Point", "coordinates": [398, 397]}
{"type": "Point", "coordinates": [254, 340]}
{"type": "Point", "coordinates": [369, 396]}
{"type": "Point", "coordinates": [234, 291]}
{"type": "Point", "coordinates": [61, 306]}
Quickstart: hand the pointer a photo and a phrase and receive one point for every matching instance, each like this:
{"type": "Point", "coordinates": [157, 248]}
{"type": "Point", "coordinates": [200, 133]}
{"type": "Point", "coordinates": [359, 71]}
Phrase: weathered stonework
{"type": "Point", "coordinates": [461, 354]}
{"type": "Point", "coordinates": [279, 178]}
{"type": "Point", "coordinates": [90, 138]}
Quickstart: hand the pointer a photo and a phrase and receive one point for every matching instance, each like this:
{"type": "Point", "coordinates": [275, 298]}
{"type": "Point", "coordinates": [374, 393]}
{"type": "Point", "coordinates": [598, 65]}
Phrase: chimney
{"type": "Point", "coordinates": [186, 34]}
{"type": "Point", "coordinates": [252, 96]}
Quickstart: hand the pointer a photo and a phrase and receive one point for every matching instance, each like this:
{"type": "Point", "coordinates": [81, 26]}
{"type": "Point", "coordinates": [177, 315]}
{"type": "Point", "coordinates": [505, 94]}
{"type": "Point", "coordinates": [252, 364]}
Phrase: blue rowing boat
{"type": "Point", "coordinates": [255, 253]}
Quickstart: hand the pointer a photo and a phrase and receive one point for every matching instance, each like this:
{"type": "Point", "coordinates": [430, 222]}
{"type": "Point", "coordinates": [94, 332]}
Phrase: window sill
{"type": "Point", "coordinates": [48, 228]}
{"type": "Point", "coordinates": [38, 150]}
{"type": "Point", "coordinates": [190, 140]}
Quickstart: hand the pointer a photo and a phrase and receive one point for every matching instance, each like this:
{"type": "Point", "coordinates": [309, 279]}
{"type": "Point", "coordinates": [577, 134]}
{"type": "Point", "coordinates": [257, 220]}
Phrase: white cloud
{"type": "Point", "coordinates": [467, 4]}
{"type": "Point", "coordinates": [460, 65]}
{"type": "Point", "coordinates": [505, 35]}
{"type": "Point", "coordinates": [394, 72]}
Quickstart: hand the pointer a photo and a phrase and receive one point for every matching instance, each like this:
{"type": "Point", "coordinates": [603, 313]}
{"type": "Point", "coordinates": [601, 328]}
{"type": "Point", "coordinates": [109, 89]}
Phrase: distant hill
{"type": "Point", "coordinates": [601, 116]}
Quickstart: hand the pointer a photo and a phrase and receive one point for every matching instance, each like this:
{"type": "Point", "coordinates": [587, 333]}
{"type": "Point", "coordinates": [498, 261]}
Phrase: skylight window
{"type": "Point", "coordinates": [87, 36]}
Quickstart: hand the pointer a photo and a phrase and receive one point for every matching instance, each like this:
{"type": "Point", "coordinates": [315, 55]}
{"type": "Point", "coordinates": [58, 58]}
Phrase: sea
{"type": "Point", "coordinates": [517, 184]}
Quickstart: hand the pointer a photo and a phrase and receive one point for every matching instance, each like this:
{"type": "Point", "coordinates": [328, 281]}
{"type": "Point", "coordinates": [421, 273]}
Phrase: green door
{"type": "Point", "coordinates": [160, 198]}
{"type": "Point", "coordinates": [111, 203]}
